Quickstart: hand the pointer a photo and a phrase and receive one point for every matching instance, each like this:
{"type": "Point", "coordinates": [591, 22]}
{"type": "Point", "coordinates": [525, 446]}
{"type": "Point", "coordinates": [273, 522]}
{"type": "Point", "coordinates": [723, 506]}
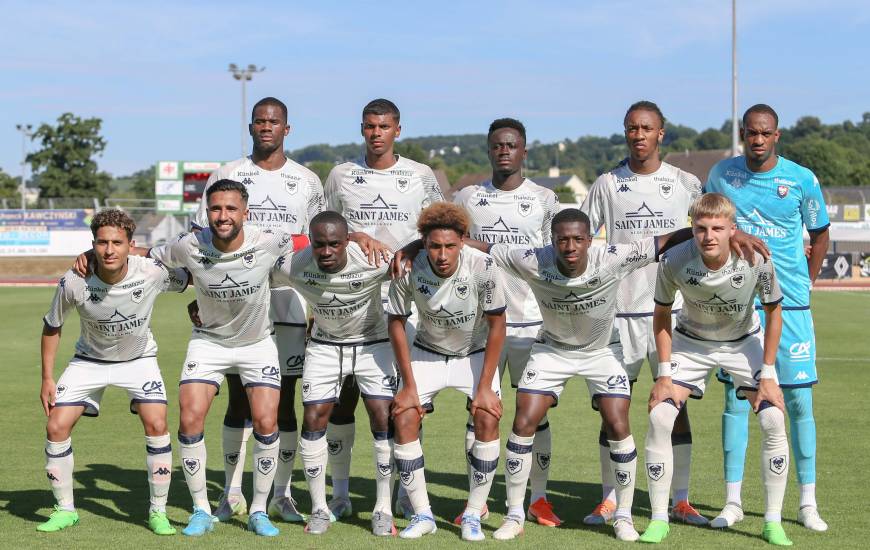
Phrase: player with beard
{"type": "Point", "coordinates": [382, 195]}
{"type": "Point", "coordinates": [776, 199]}
{"type": "Point", "coordinates": [514, 210]}
{"type": "Point", "coordinates": [284, 195]}
{"type": "Point", "coordinates": [643, 197]}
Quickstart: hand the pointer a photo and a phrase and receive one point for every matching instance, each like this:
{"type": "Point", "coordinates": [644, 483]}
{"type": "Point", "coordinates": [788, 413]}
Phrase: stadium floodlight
{"type": "Point", "coordinates": [26, 133]}
{"type": "Point", "coordinates": [735, 132]}
{"type": "Point", "coordinates": [244, 75]}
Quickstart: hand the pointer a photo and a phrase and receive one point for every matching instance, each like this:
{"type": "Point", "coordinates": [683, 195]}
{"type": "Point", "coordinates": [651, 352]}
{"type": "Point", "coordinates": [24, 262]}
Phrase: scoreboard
{"type": "Point", "coordinates": [179, 185]}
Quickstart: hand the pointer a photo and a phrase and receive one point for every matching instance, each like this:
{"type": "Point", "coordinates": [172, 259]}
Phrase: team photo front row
{"type": "Point", "coordinates": [399, 325]}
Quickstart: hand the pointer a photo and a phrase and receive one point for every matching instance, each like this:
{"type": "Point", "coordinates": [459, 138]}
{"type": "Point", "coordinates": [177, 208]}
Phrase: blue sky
{"type": "Point", "coordinates": [156, 73]}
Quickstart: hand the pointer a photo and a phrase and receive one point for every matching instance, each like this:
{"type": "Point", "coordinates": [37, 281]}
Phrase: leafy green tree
{"type": "Point", "coordinates": [712, 138]}
{"type": "Point", "coordinates": [828, 160]}
{"type": "Point", "coordinates": [65, 164]}
{"type": "Point", "coordinates": [321, 168]}
{"type": "Point", "coordinates": [9, 186]}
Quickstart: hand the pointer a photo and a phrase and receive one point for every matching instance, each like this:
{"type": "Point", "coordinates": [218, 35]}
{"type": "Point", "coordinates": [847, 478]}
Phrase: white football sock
{"type": "Point", "coordinates": [732, 492]}
{"type": "Point", "coordinates": [193, 460]}
{"type": "Point", "coordinates": [312, 448]}
{"type": "Point", "coordinates": [517, 466]}
{"type": "Point", "coordinates": [339, 438]}
{"type": "Point", "coordinates": [384, 467]}
{"type": "Point", "coordinates": [623, 460]}
{"type": "Point", "coordinates": [265, 463]}
{"type": "Point", "coordinates": [287, 444]}
{"type": "Point", "coordinates": [660, 458]}
{"type": "Point", "coordinates": [158, 460]}
{"type": "Point", "coordinates": [409, 463]}
{"type": "Point", "coordinates": [774, 461]}
{"type": "Point", "coordinates": [484, 461]}
{"type": "Point", "coordinates": [808, 494]}
{"type": "Point", "coordinates": [608, 492]}
{"type": "Point", "coordinates": [59, 469]}
{"type": "Point", "coordinates": [542, 450]}
{"type": "Point", "coordinates": [234, 442]}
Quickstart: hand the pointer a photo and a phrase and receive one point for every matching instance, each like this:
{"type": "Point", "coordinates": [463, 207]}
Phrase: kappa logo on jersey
{"type": "Point", "coordinates": [530, 376]}
{"type": "Point", "coordinates": [666, 189]}
{"type": "Point", "coordinates": [800, 351]}
{"type": "Point", "coordinates": [543, 460]}
{"type": "Point", "coordinates": [191, 465]}
{"type": "Point", "coordinates": [529, 252]}
{"type": "Point", "coordinates": [624, 188]}
{"type": "Point", "coordinates": [265, 464]}
{"type": "Point", "coordinates": [334, 446]}
{"type": "Point", "coordinates": [60, 390]}
{"type": "Point", "coordinates": [313, 471]}
{"type": "Point", "coordinates": [306, 388]}
{"type": "Point", "coordinates": [758, 226]}
{"type": "Point", "coordinates": [479, 478]}
{"type": "Point", "coordinates": [231, 458]}
{"type": "Point", "coordinates": [153, 387]}
{"type": "Point", "coordinates": [390, 382]}
{"type": "Point", "coordinates": [205, 261]}
{"type": "Point", "coordinates": [623, 477]}
{"type": "Point", "coordinates": [403, 184]}
{"type": "Point", "coordinates": [482, 202]}
{"type": "Point", "coordinates": [190, 367]}
{"type": "Point", "coordinates": [94, 298]}
{"type": "Point", "coordinates": [461, 290]}
{"type": "Point", "coordinates": [248, 260]}
{"type": "Point", "coordinates": [782, 191]}
{"type": "Point", "coordinates": [311, 282]}
{"type": "Point", "coordinates": [291, 187]}
{"type": "Point", "coordinates": [737, 280]}
{"type": "Point", "coordinates": [406, 477]}
{"type": "Point", "coordinates": [617, 381]}
{"type": "Point", "coordinates": [248, 181]}
{"type": "Point", "coordinates": [286, 455]}
{"type": "Point", "coordinates": [424, 290]}
{"type": "Point", "coordinates": [359, 180]}
{"type": "Point", "coordinates": [385, 468]}
{"type": "Point", "coordinates": [778, 464]}
{"type": "Point", "coordinates": [693, 281]}
{"type": "Point", "coordinates": [514, 465]}
{"type": "Point", "coordinates": [137, 295]}
{"type": "Point", "coordinates": [524, 208]}
{"type": "Point", "coordinates": [270, 373]}
{"type": "Point", "coordinates": [655, 470]}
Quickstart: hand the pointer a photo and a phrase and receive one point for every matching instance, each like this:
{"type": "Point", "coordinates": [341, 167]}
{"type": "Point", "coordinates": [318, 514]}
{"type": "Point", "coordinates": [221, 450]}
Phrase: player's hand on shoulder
{"type": "Point", "coordinates": [406, 398]}
{"type": "Point", "coordinates": [375, 250]}
{"type": "Point", "coordinates": [47, 394]}
{"type": "Point", "coordinates": [662, 390]}
{"type": "Point", "coordinates": [745, 246]}
{"type": "Point", "coordinates": [403, 259]}
{"type": "Point", "coordinates": [769, 390]}
{"type": "Point", "coordinates": [84, 263]}
{"type": "Point", "coordinates": [488, 401]}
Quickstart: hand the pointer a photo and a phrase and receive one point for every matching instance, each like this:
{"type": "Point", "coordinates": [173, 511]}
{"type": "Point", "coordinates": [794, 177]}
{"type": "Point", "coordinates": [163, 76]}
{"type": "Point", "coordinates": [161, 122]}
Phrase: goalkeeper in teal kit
{"type": "Point", "coordinates": [775, 199]}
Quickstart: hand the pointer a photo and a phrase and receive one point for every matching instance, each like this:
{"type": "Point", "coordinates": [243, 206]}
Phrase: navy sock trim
{"type": "Point", "coordinates": [764, 404]}
{"type": "Point", "coordinates": [404, 465]}
{"type": "Point", "coordinates": [622, 458]}
{"type": "Point", "coordinates": [381, 436]}
{"type": "Point", "coordinates": [190, 439]}
{"type": "Point", "coordinates": [518, 448]}
{"type": "Point", "coordinates": [485, 466]}
{"type": "Point", "coordinates": [313, 436]}
{"type": "Point", "coordinates": [542, 427]}
{"type": "Point", "coordinates": [158, 450]}
{"type": "Point", "coordinates": [59, 455]}
{"type": "Point", "coordinates": [266, 439]}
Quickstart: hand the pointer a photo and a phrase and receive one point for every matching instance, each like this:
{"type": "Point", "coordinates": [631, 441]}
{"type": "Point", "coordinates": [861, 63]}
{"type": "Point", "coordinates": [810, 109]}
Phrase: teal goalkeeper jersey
{"type": "Point", "coordinates": [775, 206]}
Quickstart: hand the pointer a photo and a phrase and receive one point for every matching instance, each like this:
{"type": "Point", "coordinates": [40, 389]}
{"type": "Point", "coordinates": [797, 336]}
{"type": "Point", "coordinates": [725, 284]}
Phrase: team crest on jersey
{"type": "Point", "coordinates": [403, 184]}
{"type": "Point", "coordinates": [191, 465]}
{"type": "Point", "coordinates": [593, 282]}
{"type": "Point", "coordinates": [623, 477]}
{"type": "Point", "coordinates": [655, 470]}
{"type": "Point", "coordinates": [737, 280]}
{"type": "Point", "coordinates": [782, 191]}
{"type": "Point", "coordinates": [461, 290]}
{"type": "Point", "coordinates": [543, 460]}
{"type": "Point", "coordinates": [524, 208]}
{"type": "Point", "coordinates": [514, 465]}
{"type": "Point", "coordinates": [778, 464]}
{"type": "Point", "coordinates": [137, 295]}
{"type": "Point", "coordinates": [231, 458]}
{"type": "Point", "coordinates": [333, 446]}
{"type": "Point", "coordinates": [265, 464]}
{"type": "Point", "coordinates": [355, 285]}
{"type": "Point", "coordinates": [479, 478]}
{"type": "Point", "coordinates": [291, 186]}
{"type": "Point", "coordinates": [248, 260]}
{"type": "Point", "coordinates": [666, 189]}
{"type": "Point", "coordinates": [406, 478]}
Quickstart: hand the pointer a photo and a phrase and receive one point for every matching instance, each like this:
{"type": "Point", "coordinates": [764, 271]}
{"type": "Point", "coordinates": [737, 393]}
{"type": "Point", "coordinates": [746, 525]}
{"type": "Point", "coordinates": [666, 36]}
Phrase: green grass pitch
{"type": "Point", "coordinates": [111, 490]}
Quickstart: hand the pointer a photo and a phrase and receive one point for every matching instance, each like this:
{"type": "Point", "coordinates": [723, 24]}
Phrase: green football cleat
{"type": "Point", "coordinates": [775, 534]}
{"type": "Point", "coordinates": [59, 519]}
{"type": "Point", "coordinates": [159, 524]}
{"type": "Point", "coordinates": [655, 532]}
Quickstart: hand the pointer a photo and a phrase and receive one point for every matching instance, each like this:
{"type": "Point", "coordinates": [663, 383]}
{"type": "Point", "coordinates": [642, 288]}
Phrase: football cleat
{"type": "Point", "coordinates": [339, 507]}
{"type": "Point", "coordinates": [420, 525]}
{"type": "Point", "coordinates": [200, 523]}
{"type": "Point", "coordinates": [775, 534]}
{"type": "Point", "coordinates": [655, 532]}
{"type": "Point", "coordinates": [59, 519]}
{"type": "Point", "coordinates": [624, 530]}
{"type": "Point", "coordinates": [285, 508]}
{"type": "Point", "coordinates": [730, 514]}
{"type": "Point", "coordinates": [159, 524]}
{"type": "Point", "coordinates": [601, 514]}
{"type": "Point", "coordinates": [686, 513]}
{"type": "Point", "coordinates": [511, 528]}
{"type": "Point", "coordinates": [542, 511]}
{"type": "Point", "coordinates": [471, 529]}
{"type": "Point", "coordinates": [259, 523]}
{"type": "Point", "coordinates": [382, 525]}
{"type": "Point", "coordinates": [231, 505]}
{"type": "Point", "coordinates": [809, 516]}
{"type": "Point", "coordinates": [318, 522]}
{"type": "Point", "coordinates": [484, 515]}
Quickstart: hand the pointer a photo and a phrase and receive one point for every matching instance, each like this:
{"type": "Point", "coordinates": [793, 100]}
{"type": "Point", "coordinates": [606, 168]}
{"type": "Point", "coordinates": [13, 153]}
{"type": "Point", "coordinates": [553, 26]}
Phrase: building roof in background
{"type": "Point", "coordinates": [698, 163]}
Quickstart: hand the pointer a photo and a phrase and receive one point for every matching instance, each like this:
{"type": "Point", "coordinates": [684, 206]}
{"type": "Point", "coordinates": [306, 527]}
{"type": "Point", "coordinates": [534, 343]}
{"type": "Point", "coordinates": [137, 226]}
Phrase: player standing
{"type": "Point", "coordinates": [381, 195]}
{"type": "Point", "coordinates": [514, 210]}
{"type": "Point", "coordinates": [459, 294]}
{"type": "Point", "coordinates": [775, 200]}
{"type": "Point", "coordinates": [643, 197]}
{"type": "Point", "coordinates": [717, 327]}
{"type": "Point", "coordinates": [116, 348]}
{"type": "Point", "coordinates": [283, 195]}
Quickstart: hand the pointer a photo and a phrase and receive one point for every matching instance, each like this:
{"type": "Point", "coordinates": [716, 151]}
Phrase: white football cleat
{"type": "Point", "coordinates": [624, 530]}
{"type": "Point", "coordinates": [731, 514]}
{"type": "Point", "coordinates": [511, 528]}
{"type": "Point", "coordinates": [809, 516]}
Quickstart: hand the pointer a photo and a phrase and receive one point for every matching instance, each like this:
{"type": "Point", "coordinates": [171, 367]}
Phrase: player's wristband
{"type": "Point", "coordinates": [768, 372]}
{"type": "Point", "coordinates": [664, 369]}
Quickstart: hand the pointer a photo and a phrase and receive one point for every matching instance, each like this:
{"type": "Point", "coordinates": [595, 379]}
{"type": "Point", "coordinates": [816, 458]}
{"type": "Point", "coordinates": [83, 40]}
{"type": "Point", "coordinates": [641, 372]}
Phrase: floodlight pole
{"type": "Point", "coordinates": [244, 75]}
{"type": "Point", "coordinates": [735, 127]}
{"type": "Point", "coordinates": [26, 133]}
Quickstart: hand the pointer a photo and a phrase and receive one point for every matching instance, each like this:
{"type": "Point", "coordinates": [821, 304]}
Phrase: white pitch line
{"type": "Point", "coordinates": [843, 359]}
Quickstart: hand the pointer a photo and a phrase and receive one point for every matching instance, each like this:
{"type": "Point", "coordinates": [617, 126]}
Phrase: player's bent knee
{"type": "Point", "coordinates": [771, 420]}
{"type": "Point", "coordinates": [407, 426]}
{"type": "Point", "coordinates": [56, 430]}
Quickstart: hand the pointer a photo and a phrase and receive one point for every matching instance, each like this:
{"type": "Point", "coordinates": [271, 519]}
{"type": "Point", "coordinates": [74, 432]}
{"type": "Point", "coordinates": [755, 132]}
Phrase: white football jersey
{"type": "Point", "coordinates": [384, 204]}
{"type": "Point", "coordinates": [578, 312]}
{"type": "Point", "coordinates": [232, 288]}
{"type": "Point", "coordinates": [521, 217]}
{"type": "Point", "coordinates": [634, 206]}
{"type": "Point", "coordinates": [346, 305]}
{"type": "Point", "coordinates": [285, 199]}
{"type": "Point", "coordinates": [717, 305]}
{"type": "Point", "coordinates": [115, 319]}
{"type": "Point", "coordinates": [451, 312]}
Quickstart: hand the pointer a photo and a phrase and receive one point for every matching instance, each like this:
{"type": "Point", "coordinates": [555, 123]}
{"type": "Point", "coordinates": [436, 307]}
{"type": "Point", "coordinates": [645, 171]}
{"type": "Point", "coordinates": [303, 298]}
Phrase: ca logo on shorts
{"type": "Point", "coordinates": [385, 469]}
{"type": "Point", "coordinates": [231, 458]}
{"type": "Point", "coordinates": [737, 280]}
{"type": "Point", "coordinates": [190, 367]}
{"type": "Point", "coordinates": [390, 382]}
{"type": "Point", "coordinates": [313, 471]}
{"type": "Point", "coordinates": [191, 465]}
{"type": "Point", "coordinates": [286, 455]}
{"type": "Point", "coordinates": [530, 375]}
{"type": "Point", "coordinates": [778, 464]}
{"type": "Point", "coordinates": [655, 470]}
{"type": "Point", "coordinates": [543, 460]}
{"type": "Point", "coordinates": [514, 465]}
{"type": "Point", "coordinates": [479, 477]}
{"type": "Point", "coordinates": [524, 208]}
{"type": "Point", "coordinates": [333, 446]}
{"type": "Point", "coordinates": [265, 464]}
{"type": "Point", "coordinates": [270, 372]}
{"type": "Point", "coordinates": [137, 295]}
{"type": "Point", "coordinates": [406, 478]}
{"type": "Point", "coordinates": [617, 381]}
{"type": "Point", "coordinates": [60, 390]}
{"type": "Point", "coordinates": [461, 291]}
{"type": "Point", "coordinates": [403, 184]}
{"type": "Point", "coordinates": [248, 260]}
{"type": "Point", "coordinates": [295, 361]}
{"type": "Point", "coordinates": [153, 387]}
{"type": "Point", "coordinates": [800, 351]}
{"type": "Point", "coordinates": [623, 477]}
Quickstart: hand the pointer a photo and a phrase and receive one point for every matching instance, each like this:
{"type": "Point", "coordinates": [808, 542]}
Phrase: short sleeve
{"type": "Point", "coordinates": [666, 288]}
{"type": "Point", "coordinates": [64, 300]}
{"type": "Point", "coordinates": [594, 203]}
{"type": "Point", "coordinates": [316, 200]}
{"type": "Point", "coordinates": [813, 211]}
{"type": "Point", "coordinates": [173, 253]}
{"type": "Point", "coordinates": [767, 286]}
{"type": "Point", "coordinates": [490, 289]}
{"type": "Point", "coordinates": [176, 280]}
{"type": "Point", "coordinates": [332, 190]}
{"type": "Point", "coordinates": [509, 258]}
{"type": "Point", "coordinates": [431, 187]}
{"type": "Point", "coordinates": [551, 208]}
{"type": "Point", "coordinates": [399, 297]}
{"type": "Point", "coordinates": [629, 257]}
